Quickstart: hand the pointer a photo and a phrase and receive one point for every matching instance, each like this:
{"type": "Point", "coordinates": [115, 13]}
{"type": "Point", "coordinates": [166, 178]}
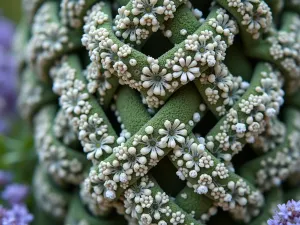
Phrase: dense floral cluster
{"type": "Point", "coordinates": [287, 214]}
{"type": "Point", "coordinates": [124, 114]}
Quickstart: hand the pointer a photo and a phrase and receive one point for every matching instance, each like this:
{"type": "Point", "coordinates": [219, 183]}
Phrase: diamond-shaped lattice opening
{"type": "Point", "coordinates": [157, 45]}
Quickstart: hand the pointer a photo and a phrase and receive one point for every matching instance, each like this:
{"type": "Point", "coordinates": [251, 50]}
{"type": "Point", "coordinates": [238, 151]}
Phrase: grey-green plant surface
{"type": "Point", "coordinates": [161, 111]}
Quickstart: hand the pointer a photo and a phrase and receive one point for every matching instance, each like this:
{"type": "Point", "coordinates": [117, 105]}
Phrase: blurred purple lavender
{"type": "Point", "coordinates": [287, 214]}
{"type": "Point", "coordinates": [17, 215]}
{"type": "Point", "coordinates": [5, 178]}
{"type": "Point", "coordinates": [8, 74]}
{"type": "Point", "coordinates": [15, 193]}
{"type": "Point", "coordinates": [13, 196]}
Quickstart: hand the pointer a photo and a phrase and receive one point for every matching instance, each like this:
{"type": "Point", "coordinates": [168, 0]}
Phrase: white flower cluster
{"type": "Point", "coordinates": [155, 81]}
{"type": "Point", "coordinates": [273, 136]}
{"type": "Point", "coordinates": [208, 48]}
{"type": "Point", "coordinates": [75, 101]}
{"type": "Point", "coordinates": [136, 24]}
{"type": "Point", "coordinates": [63, 166]}
{"type": "Point", "coordinates": [132, 162]}
{"type": "Point", "coordinates": [63, 129]}
{"type": "Point", "coordinates": [224, 25]}
{"type": "Point", "coordinates": [256, 14]}
{"type": "Point", "coordinates": [72, 11]}
{"type": "Point", "coordinates": [96, 203]}
{"type": "Point", "coordinates": [49, 38]}
{"type": "Point", "coordinates": [149, 206]}
{"type": "Point", "coordinates": [104, 51]}
{"type": "Point", "coordinates": [236, 130]}
{"type": "Point", "coordinates": [204, 174]}
{"type": "Point", "coordinates": [223, 89]}
{"type": "Point", "coordinates": [275, 168]}
{"type": "Point", "coordinates": [285, 48]}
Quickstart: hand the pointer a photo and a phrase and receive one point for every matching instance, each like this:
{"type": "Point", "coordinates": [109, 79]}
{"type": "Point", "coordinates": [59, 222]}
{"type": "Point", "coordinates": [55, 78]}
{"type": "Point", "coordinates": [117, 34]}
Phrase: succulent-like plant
{"type": "Point", "coordinates": [161, 111]}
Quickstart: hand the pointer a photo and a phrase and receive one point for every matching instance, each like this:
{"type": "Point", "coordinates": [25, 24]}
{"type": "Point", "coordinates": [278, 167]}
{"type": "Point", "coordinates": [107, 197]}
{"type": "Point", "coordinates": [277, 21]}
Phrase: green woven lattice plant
{"type": "Point", "coordinates": [161, 111]}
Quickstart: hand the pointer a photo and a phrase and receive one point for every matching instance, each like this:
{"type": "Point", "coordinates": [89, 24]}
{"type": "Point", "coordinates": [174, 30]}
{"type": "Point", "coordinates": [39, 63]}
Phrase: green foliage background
{"type": "Point", "coordinates": [11, 9]}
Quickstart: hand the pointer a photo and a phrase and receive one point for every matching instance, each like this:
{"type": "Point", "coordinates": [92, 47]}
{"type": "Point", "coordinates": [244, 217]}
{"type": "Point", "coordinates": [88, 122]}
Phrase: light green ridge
{"type": "Point", "coordinates": [72, 60]}
{"type": "Point", "coordinates": [197, 203]}
{"type": "Point", "coordinates": [183, 19]}
{"type": "Point", "coordinates": [192, 202]}
{"type": "Point", "coordinates": [221, 182]}
{"type": "Point", "coordinates": [109, 94]}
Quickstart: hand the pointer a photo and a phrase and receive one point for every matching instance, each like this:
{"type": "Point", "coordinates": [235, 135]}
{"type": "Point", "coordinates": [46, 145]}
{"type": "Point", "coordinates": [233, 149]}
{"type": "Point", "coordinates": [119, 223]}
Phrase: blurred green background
{"type": "Point", "coordinates": [16, 148]}
{"type": "Point", "coordinates": [11, 9]}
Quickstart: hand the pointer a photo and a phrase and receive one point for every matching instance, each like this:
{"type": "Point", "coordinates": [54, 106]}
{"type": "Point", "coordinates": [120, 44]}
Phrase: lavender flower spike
{"type": "Point", "coordinates": [18, 215]}
{"type": "Point", "coordinates": [15, 193]}
{"type": "Point", "coordinates": [287, 214]}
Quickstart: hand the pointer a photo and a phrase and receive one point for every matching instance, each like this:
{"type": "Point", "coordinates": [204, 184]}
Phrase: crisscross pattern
{"type": "Point", "coordinates": [94, 64]}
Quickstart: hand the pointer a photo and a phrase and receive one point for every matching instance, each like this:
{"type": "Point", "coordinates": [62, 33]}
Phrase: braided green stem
{"type": "Point", "coordinates": [50, 39]}
{"type": "Point", "coordinates": [275, 48]}
{"type": "Point", "coordinates": [124, 112]}
{"type": "Point", "coordinates": [65, 165]}
{"type": "Point", "coordinates": [87, 116]}
{"type": "Point", "coordinates": [132, 125]}
{"type": "Point", "coordinates": [127, 63]}
{"type": "Point", "coordinates": [273, 168]}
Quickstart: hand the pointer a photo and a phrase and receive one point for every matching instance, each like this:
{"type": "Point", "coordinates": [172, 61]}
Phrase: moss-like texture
{"type": "Point", "coordinates": [122, 90]}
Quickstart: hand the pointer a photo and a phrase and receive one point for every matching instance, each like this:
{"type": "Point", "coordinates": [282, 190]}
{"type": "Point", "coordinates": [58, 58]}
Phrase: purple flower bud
{"type": "Point", "coordinates": [287, 214]}
{"type": "Point", "coordinates": [17, 215]}
{"type": "Point", "coordinates": [5, 177]}
{"type": "Point", "coordinates": [15, 193]}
